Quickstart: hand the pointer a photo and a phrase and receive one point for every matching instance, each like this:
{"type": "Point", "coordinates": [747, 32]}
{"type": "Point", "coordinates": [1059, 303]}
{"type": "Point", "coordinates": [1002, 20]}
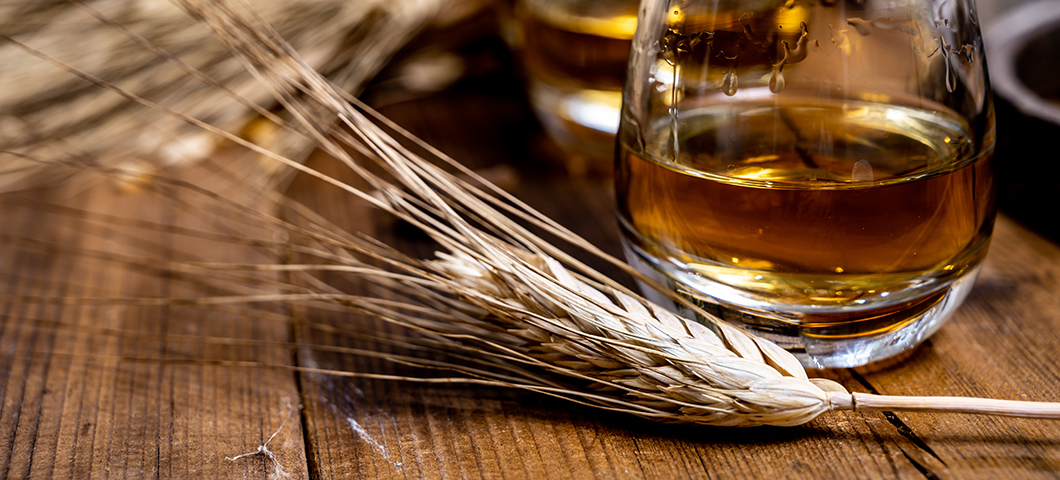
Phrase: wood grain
{"type": "Point", "coordinates": [102, 388]}
{"type": "Point", "coordinates": [130, 390]}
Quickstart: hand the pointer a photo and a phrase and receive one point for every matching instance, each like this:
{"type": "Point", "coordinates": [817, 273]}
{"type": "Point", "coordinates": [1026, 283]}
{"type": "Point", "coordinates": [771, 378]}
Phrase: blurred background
{"type": "Point", "coordinates": [1022, 40]}
{"type": "Point", "coordinates": [525, 90]}
{"type": "Point", "coordinates": [503, 53]}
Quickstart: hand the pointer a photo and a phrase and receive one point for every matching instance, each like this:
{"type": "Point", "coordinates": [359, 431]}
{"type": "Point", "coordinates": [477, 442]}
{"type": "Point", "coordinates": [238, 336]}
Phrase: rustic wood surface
{"type": "Point", "coordinates": [106, 389]}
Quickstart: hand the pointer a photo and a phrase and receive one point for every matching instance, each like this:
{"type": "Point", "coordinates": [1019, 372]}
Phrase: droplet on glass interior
{"type": "Point", "coordinates": [675, 144]}
{"type": "Point", "coordinates": [776, 81]}
{"type": "Point", "coordinates": [862, 171]}
{"type": "Point", "coordinates": [951, 79]}
{"type": "Point", "coordinates": [729, 83]}
{"type": "Point", "coordinates": [860, 25]}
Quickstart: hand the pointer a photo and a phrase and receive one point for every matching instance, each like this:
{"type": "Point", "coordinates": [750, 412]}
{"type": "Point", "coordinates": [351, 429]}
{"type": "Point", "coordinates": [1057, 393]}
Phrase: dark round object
{"type": "Point", "coordinates": [1023, 50]}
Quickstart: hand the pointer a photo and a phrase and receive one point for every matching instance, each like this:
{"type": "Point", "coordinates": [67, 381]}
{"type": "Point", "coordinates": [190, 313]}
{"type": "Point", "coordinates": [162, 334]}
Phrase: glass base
{"type": "Point", "coordinates": [581, 121]}
{"type": "Point", "coordinates": [827, 338]}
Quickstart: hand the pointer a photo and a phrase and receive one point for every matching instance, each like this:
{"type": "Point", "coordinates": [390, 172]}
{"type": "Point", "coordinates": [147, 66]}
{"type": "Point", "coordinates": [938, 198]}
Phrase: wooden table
{"type": "Point", "coordinates": [100, 388]}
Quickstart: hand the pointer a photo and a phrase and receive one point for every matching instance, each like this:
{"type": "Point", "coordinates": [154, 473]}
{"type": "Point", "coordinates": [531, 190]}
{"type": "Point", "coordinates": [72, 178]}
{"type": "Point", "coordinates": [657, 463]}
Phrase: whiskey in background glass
{"type": "Point", "coordinates": [575, 54]}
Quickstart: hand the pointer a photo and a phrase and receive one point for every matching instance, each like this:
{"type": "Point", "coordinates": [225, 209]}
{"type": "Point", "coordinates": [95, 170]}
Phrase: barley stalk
{"type": "Point", "coordinates": [132, 42]}
{"type": "Point", "coordinates": [497, 293]}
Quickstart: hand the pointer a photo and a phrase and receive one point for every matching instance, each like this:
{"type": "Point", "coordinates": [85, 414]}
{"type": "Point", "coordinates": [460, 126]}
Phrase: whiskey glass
{"type": "Point", "coordinates": [817, 172]}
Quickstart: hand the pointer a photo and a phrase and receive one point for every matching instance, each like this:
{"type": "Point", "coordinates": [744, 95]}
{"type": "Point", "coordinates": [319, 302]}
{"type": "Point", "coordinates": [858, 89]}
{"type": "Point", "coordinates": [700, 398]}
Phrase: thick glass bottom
{"type": "Point", "coordinates": [824, 337]}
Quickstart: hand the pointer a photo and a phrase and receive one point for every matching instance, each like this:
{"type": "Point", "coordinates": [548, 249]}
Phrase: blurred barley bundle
{"type": "Point", "coordinates": [50, 119]}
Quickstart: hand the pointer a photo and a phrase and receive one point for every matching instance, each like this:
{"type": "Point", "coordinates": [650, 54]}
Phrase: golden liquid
{"type": "Point", "coordinates": [587, 49]}
{"type": "Point", "coordinates": [811, 205]}
{"type": "Point", "coordinates": [576, 51]}
{"type": "Point", "coordinates": [575, 54]}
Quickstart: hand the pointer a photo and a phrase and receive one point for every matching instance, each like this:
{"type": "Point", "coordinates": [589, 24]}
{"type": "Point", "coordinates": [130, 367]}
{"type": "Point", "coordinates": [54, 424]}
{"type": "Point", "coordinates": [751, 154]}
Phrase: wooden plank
{"type": "Point", "coordinates": [155, 397]}
{"type": "Point", "coordinates": [104, 389]}
{"type": "Point", "coordinates": [387, 429]}
{"type": "Point", "coordinates": [415, 430]}
{"type": "Point", "coordinates": [998, 345]}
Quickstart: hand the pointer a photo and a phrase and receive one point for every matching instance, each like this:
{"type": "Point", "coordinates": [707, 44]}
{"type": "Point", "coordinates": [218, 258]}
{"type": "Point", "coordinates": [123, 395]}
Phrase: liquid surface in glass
{"type": "Point", "coordinates": [828, 209]}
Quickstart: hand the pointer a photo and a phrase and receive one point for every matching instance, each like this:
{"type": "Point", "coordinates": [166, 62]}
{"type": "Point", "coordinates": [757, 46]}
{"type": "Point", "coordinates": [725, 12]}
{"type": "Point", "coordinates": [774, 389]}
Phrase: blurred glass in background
{"type": "Point", "coordinates": [574, 53]}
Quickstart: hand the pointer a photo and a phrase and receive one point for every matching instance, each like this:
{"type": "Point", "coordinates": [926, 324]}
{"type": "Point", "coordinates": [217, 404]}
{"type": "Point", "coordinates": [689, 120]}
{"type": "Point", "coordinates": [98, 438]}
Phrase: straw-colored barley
{"type": "Point", "coordinates": [45, 114]}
